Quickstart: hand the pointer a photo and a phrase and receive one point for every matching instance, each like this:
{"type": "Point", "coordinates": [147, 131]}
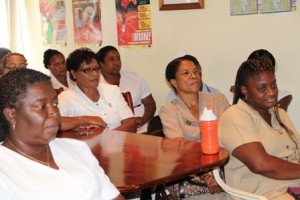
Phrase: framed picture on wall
{"type": "Point", "coordinates": [180, 4]}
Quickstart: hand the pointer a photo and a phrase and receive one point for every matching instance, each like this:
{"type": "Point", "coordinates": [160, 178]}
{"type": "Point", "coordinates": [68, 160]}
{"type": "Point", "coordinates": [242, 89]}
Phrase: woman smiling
{"type": "Point", "coordinates": [91, 103]}
{"type": "Point", "coordinates": [261, 138]}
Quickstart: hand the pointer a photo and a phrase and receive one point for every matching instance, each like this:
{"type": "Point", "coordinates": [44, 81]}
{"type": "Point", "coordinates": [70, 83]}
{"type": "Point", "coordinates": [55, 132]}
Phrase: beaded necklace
{"type": "Point", "coordinates": [47, 163]}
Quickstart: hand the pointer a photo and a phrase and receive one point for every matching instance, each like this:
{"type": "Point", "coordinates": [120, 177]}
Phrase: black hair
{"type": "Point", "coordinates": [48, 54]}
{"type": "Point", "coordinates": [103, 51]}
{"type": "Point", "coordinates": [77, 57]}
{"type": "Point", "coordinates": [173, 66]}
{"type": "Point", "coordinates": [13, 85]}
{"type": "Point", "coordinates": [247, 70]}
{"type": "Point", "coordinates": [262, 53]}
{"type": "Point", "coordinates": [3, 52]}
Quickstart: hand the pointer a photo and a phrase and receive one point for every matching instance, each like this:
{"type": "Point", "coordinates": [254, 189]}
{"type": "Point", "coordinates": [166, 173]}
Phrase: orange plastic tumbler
{"type": "Point", "coordinates": [209, 132]}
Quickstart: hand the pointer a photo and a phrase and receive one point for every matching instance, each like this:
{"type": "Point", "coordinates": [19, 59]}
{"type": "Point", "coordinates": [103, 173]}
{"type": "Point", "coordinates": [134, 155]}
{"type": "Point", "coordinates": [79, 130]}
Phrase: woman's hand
{"type": "Point", "coordinates": [95, 120]}
{"type": "Point", "coordinates": [211, 183]}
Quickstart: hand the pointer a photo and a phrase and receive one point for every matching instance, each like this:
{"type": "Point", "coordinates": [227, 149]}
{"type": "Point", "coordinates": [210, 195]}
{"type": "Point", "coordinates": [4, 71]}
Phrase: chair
{"type": "Point", "coordinates": [233, 191]}
{"type": "Point", "coordinates": [155, 127]}
{"type": "Point", "coordinates": [128, 99]}
{"type": "Point", "coordinates": [59, 90]}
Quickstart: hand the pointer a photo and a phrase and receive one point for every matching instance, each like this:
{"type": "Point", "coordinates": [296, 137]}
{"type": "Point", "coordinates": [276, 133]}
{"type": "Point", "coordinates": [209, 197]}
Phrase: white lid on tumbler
{"type": "Point", "coordinates": [208, 115]}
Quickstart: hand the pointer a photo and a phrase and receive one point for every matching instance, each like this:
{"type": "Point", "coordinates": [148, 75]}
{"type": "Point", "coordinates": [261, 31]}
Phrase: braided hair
{"type": "Point", "coordinates": [13, 86]}
{"type": "Point", "coordinates": [249, 69]}
{"type": "Point", "coordinates": [262, 53]}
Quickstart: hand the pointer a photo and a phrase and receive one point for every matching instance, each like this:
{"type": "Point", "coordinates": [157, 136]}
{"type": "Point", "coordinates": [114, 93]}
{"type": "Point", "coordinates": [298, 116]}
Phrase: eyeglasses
{"type": "Point", "coordinates": [187, 73]}
{"type": "Point", "coordinates": [13, 66]}
{"type": "Point", "coordinates": [90, 70]}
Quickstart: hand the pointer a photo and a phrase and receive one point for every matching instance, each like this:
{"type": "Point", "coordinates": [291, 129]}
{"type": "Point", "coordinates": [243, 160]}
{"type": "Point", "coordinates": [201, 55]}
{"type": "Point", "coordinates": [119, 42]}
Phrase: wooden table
{"type": "Point", "coordinates": [134, 161]}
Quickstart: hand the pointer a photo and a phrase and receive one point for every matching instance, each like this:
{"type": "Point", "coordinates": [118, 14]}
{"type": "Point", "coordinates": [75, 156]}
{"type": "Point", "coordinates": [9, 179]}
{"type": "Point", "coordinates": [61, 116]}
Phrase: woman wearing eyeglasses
{"type": "Point", "coordinates": [13, 61]}
{"type": "Point", "coordinates": [90, 103]}
{"type": "Point", "coordinates": [180, 117]}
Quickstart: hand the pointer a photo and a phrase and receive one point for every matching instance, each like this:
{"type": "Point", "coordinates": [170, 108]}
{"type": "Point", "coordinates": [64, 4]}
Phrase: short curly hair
{"type": "Point", "coordinates": [77, 57]}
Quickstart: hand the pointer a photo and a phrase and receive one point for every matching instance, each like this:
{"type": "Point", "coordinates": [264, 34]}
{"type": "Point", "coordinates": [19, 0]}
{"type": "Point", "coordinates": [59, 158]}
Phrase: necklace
{"type": "Point", "coordinates": [30, 157]}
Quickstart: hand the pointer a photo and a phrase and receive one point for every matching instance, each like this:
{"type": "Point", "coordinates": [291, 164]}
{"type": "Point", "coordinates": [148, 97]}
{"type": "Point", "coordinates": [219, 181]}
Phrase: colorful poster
{"type": "Point", "coordinates": [53, 17]}
{"type": "Point", "coordinates": [269, 6]}
{"type": "Point", "coordinates": [87, 21]}
{"type": "Point", "coordinates": [134, 22]}
{"type": "Point", "coordinates": [242, 7]}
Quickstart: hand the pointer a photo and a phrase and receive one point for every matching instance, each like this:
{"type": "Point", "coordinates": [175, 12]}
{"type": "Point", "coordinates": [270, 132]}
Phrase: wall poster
{"type": "Point", "coordinates": [134, 22]}
{"type": "Point", "coordinates": [53, 18]}
{"type": "Point", "coordinates": [243, 7]}
{"type": "Point", "coordinates": [87, 21]}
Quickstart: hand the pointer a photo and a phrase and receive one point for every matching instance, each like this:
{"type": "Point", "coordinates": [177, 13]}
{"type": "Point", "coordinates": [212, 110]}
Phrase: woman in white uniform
{"type": "Point", "coordinates": [34, 164]}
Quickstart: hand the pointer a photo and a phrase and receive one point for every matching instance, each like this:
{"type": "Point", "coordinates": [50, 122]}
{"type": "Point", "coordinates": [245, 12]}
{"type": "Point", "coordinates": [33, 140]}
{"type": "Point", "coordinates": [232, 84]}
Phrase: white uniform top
{"type": "Point", "coordinates": [139, 90]}
{"type": "Point", "coordinates": [57, 85]}
{"type": "Point", "coordinates": [111, 106]}
{"type": "Point", "coordinates": [79, 175]}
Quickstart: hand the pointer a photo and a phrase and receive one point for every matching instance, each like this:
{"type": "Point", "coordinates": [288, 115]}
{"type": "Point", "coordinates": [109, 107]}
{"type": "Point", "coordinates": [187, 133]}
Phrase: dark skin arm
{"type": "Point", "coordinates": [127, 125]}
{"type": "Point", "coordinates": [68, 123]}
{"type": "Point", "coordinates": [285, 102]}
{"type": "Point", "coordinates": [255, 157]}
{"type": "Point", "coordinates": [212, 185]}
{"type": "Point", "coordinates": [150, 107]}
{"type": "Point", "coordinates": [208, 178]}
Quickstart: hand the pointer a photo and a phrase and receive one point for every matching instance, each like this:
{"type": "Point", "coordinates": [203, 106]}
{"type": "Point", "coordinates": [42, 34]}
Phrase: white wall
{"type": "Point", "coordinates": [220, 41]}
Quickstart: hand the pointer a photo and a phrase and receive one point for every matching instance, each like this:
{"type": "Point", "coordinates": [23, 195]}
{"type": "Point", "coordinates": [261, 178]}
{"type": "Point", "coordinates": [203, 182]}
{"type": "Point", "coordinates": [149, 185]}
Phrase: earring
{"type": "Point", "coordinates": [14, 124]}
{"type": "Point", "coordinates": [246, 97]}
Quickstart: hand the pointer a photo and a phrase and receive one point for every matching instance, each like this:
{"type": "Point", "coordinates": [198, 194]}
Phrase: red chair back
{"type": "Point", "coordinates": [59, 90]}
{"type": "Point", "coordinates": [128, 99]}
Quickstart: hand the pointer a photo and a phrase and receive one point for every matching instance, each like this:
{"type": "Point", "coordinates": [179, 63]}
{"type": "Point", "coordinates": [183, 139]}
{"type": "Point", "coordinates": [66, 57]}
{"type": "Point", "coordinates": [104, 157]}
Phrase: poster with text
{"type": "Point", "coordinates": [134, 22]}
{"type": "Point", "coordinates": [243, 7]}
{"type": "Point", "coordinates": [53, 17]}
{"type": "Point", "coordinates": [270, 6]}
{"type": "Point", "coordinates": [87, 21]}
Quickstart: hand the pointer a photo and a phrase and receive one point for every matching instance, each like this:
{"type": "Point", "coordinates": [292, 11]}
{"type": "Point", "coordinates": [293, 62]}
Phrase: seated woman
{"type": "Point", "coordinates": [284, 97]}
{"type": "Point", "coordinates": [12, 61]}
{"type": "Point", "coordinates": [91, 103]}
{"type": "Point", "coordinates": [55, 62]}
{"type": "Point", "coordinates": [203, 86]}
{"type": "Point", "coordinates": [261, 138]}
{"type": "Point", "coordinates": [3, 52]}
{"type": "Point", "coordinates": [34, 164]}
{"type": "Point", "coordinates": [180, 118]}
{"type": "Point", "coordinates": [144, 105]}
